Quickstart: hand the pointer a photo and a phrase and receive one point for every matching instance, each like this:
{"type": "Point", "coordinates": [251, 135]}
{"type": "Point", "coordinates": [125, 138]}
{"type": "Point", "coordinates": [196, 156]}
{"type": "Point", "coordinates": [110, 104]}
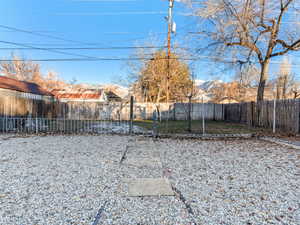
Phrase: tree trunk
{"type": "Point", "coordinates": [157, 105]}
{"type": "Point", "coordinates": [295, 94]}
{"type": "Point", "coordinates": [284, 88]}
{"type": "Point", "coordinates": [261, 89]}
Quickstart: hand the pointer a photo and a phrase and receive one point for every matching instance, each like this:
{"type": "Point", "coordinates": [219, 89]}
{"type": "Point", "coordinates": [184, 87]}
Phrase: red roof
{"type": "Point", "coordinates": [78, 95]}
{"type": "Point", "coordinates": [81, 94]}
{"type": "Point", "coordinates": [22, 86]}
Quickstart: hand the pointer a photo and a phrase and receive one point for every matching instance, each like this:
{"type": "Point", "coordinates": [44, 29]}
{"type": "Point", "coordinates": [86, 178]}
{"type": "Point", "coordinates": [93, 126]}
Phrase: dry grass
{"type": "Point", "coordinates": [211, 127]}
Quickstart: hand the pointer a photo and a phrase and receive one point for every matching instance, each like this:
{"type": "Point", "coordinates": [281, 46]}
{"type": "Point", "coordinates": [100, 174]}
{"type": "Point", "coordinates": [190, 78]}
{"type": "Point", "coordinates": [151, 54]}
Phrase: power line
{"type": "Point", "coordinates": [87, 48]}
{"type": "Point", "coordinates": [45, 49]}
{"type": "Point", "coordinates": [121, 13]}
{"type": "Point", "coordinates": [117, 33]}
{"type": "Point", "coordinates": [58, 38]}
{"type": "Point", "coordinates": [86, 59]}
{"type": "Point", "coordinates": [42, 35]}
{"type": "Point", "coordinates": [104, 0]}
{"type": "Point", "coordinates": [112, 13]}
{"type": "Point", "coordinates": [202, 58]}
{"type": "Point", "coordinates": [89, 58]}
{"type": "Point", "coordinates": [90, 44]}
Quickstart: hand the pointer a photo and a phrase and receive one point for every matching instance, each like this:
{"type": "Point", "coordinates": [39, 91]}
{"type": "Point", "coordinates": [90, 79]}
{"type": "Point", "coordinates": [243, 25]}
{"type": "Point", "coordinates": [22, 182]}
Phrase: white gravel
{"type": "Point", "coordinates": [67, 179]}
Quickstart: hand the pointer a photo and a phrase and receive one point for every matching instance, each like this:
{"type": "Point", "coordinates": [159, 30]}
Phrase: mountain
{"type": "Point", "coordinates": [207, 85]}
{"type": "Point", "coordinates": [117, 89]}
{"type": "Point", "coordinates": [204, 89]}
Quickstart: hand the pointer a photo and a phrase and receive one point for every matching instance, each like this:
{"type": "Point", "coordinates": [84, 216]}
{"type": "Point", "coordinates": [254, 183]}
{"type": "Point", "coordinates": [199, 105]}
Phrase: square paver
{"type": "Point", "coordinates": [147, 162]}
{"type": "Point", "coordinates": [149, 187]}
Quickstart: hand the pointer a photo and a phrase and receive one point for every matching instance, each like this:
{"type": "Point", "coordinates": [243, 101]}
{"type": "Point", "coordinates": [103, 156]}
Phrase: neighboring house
{"type": "Point", "coordinates": [88, 103]}
{"type": "Point", "coordinates": [202, 96]}
{"type": "Point", "coordinates": [227, 100]}
{"type": "Point", "coordinates": [23, 89]}
{"type": "Point", "coordinates": [85, 95]}
{"type": "Point", "coordinates": [112, 97]}
{"type": "Point", "coordinates": [80, 95]}
{"type": "Point", "coordinates": [23, 99]}
{"type": "Point", "coordinates": [251, 94]}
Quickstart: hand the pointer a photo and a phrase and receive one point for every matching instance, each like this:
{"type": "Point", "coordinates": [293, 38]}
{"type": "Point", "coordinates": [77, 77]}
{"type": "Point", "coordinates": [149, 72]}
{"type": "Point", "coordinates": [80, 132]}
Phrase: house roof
{"type": "Point", "coordinates": [22, 86]}
{"type": "Point", "coordinates": [112, 96]}
{"type": "Point", "coordinates": [228, 99]}
{"type": "Point", "coordinates": [78, 94]}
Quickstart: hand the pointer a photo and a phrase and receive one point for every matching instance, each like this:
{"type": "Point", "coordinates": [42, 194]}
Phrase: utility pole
{"type": "Point", "coordinates": [170, 24]}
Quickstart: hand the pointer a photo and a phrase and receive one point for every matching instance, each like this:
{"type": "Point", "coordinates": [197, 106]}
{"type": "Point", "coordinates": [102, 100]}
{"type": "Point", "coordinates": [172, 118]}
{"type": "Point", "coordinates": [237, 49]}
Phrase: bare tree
{"type": "Point", "coordinates": [285, 80]}
{"type": "Point", "coordinates": [230, 92]}
{"type": "Point", "coordinates": [52, 81]}
{"type": "Point", "coordinates": [249, 31]}
{"type": "Point", "coordinates": [37, 76]}
{"type": "Point", "coordinates": [247, 76]}
{"type": "Point", "coordinates": [24, 70]}
{"type": "Point", "coordinates": [296, 90]}
{"type": "Point", "coordinates": [19, 69]}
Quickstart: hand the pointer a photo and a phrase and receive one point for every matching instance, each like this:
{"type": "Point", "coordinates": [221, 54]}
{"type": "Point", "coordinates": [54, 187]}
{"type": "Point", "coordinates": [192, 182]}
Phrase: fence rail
{"type": "Point", "coordinates": [286, 112]}
{"type": "Point", "coordinates": [65, 126]}
{"type": "Point", "coordinates": [14, 104]}
{"type": "Point", "coordinates": [22, 111]}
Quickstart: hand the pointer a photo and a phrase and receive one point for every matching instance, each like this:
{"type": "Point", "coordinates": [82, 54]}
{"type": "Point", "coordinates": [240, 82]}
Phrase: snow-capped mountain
{"type": "Point", "coordinates": [207, 85]}
{"type": "Point", "coordinates": [117, 89]}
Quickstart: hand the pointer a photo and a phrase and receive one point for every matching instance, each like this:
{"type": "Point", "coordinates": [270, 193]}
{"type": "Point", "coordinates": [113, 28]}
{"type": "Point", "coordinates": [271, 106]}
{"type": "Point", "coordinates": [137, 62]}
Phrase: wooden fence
{"type": "Point", "coordinates": [209, 111]}
{"type": "Point", "coordinates": [287, 113]}
{"type": "Point", "coordinates": [112, 110]}
{"type": "Point", "coordinates": [15, 104]}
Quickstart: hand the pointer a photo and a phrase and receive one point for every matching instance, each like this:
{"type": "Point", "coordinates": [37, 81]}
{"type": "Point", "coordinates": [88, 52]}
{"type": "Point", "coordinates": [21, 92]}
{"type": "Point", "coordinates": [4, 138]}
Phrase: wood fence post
{"type": "Point", "coordinates": [297, 115]}
{"type": "Point", "coordinates": [189, 115]}
{"type": "Point", "coordinates": [203, 119]}
{"type": "Point", "coordinates": [222, 117]}
{"type": "Point", "coordinates": [214, 114]}
{"type": "Point", "coordinates": [274, 116]}
{"type": "Point", "coordinates": [225, 114]}
{"type": "Point", "coordinates": [174, 111]}
{"type": "Point", "coordinates": [240, 112]}
{"type": "Point", "coordinates": [131, 115]}
{"type": "Point", "coordinates": [252, 114]}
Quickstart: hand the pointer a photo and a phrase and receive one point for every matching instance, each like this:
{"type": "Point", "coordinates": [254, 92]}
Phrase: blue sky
{"type": "Point", "coordinates": [103, 23]}
{"type": "Point", "coordinates": [99, 23]}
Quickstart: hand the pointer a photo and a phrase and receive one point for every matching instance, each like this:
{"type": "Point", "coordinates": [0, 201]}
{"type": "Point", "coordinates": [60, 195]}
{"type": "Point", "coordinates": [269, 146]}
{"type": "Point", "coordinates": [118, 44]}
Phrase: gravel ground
{"type": "Point", "coordinates": [291, 140]}
{"type": "Point", "coordinates": [79, 180]}
{"type": "Point", "coordinates": [244, 182]}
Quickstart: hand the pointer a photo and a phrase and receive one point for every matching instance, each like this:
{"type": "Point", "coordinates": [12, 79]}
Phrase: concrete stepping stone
{"type": "Point", "coordinates": [144, 148]}
{"type": "Point", "coordinates": [142, 153]}
{"type": "Point", "coordinates": [149, 187]}
{"type": "Point", "coordinates": [144, 162]}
